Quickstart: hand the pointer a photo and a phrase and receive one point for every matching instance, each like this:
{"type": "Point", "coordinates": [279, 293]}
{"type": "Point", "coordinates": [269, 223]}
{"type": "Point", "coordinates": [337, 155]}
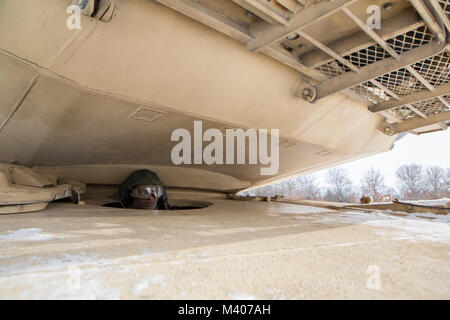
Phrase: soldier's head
{"type": "Point", "coordinates": [146, 196]}
{"type": "Point", "coordinates": [143, 190]}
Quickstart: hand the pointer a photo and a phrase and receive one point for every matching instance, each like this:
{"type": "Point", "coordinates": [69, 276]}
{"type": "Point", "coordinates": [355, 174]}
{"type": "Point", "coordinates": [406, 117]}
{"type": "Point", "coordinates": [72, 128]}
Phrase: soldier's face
{"type": "Point", "coordinates": [148, 204]}
{"type": "Point", "coordinates": [146, 196]}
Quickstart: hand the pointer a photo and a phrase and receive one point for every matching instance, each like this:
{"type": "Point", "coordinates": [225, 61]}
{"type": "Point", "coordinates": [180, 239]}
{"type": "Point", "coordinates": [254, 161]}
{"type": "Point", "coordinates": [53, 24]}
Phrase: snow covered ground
{"type": "Point", "coordinates": [436, 202]}
{"type": "Point", "coordinates": [231, 250]}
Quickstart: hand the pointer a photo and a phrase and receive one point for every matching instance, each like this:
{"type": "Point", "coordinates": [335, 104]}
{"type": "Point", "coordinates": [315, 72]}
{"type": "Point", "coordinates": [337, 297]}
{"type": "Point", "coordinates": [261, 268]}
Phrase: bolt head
{"type": "Point", "coordinates": [293, 36]}
{"type": "Point", "coordinates": [388, 5]}
{"type": "Point", "coordinates": [389, 130]}
{"type": "Point", "coordinates": [249, 14]}
{"type": "Point", "coordinates": [306, 92]}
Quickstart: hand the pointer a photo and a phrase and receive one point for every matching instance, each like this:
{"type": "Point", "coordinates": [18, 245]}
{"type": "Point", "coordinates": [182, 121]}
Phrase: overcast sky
{"type": "Point", "coordinates": [427, 149]}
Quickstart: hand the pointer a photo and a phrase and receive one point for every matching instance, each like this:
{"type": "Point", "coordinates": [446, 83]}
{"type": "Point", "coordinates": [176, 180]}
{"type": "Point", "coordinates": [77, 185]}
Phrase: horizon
{"type": "Point", "coordinates": [425, 150]}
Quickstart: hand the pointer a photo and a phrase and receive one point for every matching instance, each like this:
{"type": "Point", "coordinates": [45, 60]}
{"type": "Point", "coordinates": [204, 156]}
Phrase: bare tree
{"type": "Point", "coordinates": [280, 188]}
{"type": "Point", "coordinates": [410, 180]}
{"type": "Point", "coordinates": [435, 182]}
{"type": "Point", "coordinates": [447, 183]}
{"type": "Point", "coordinates": [392, 192]}
{"type": "Point", "coordinates": [329, 195]}
{"type": "Point", "coordinates": [372, 184]}
{"type": "Point", "coordinates": [290, 188]}
{"type": "Point", "coordinates": [340, 185]}
{"type": "Point", "coordinates": [413, 183]}
{"type": "Point", "coordinates": [306, 188]}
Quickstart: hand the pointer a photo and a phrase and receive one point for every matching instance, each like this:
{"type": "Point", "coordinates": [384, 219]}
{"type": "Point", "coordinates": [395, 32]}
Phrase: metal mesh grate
{"type": "Point", "coordinates": [401, 81]}
{"type": "Point", "coordinates": [445, 5]}
{"type": "Point", "coordinates": [410, 40]}
{"type": "Point", "coordinates": [403, 113]}
{"type": "Point", "coordinates": [406, 41]}
{"type": "Point", "coordinates": [435, 69]}
{"type": "Point", "coordinates": [428, 107]}
{"type": "Point", "coordinates": [371, 93]}
{"type": "Point", "coordinates": [431, 106]}
{"type": "Point", "coordinates": [447, 98]}
{"type": "Point", "coordinates": [333, 69]}
{"type": "Point", "coordinates": [359, 59]}
{"type": "Point", "coordinates": [367, 56]}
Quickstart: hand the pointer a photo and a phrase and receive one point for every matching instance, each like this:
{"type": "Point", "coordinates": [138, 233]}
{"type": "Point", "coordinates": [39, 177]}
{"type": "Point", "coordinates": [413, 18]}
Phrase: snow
{"type": "Point", "coordinates": [25, 235]}
{"type": "Point", "coordinates": [38, 264]}
{"type": "Point", "coordinates": [140, 286]}
{"type": "Point", "coordinates": [436, 202]}
{"type": "Point", "coordinates": [419, 226]}
{"type": "Point", "coordinates": [241, 296]}
{"type": "Point", "coordinates": [276, 294]}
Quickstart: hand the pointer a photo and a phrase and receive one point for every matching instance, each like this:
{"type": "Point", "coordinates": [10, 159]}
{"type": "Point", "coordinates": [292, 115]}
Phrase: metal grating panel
{"type": "Point", "coordinates": [428, 107]}
{"type": "Point", "coordinates": [359, 59]}
{"type": "Point", "coordinates": [403, 113]}
{"type": "Point", "coordinates": [401, 81]}
{"type": "Point", "coordinates": [447, 98]}
{"type": "Point", "coordinates": [410, 40]}
{"type": "Point", "coordinates": [367, 56]}
{"type": "Point", "coordinates": [333, 69]}
{"type": "Point", "coordinates": [431, 106]}
{"type": "Point", "coordinates": [445, 5]}
{"type": "Point", "coordinates": [404, 42]}
{"type": "Point", "coordinates": [371, 93]}
{"type": "Point", "coordinates": [435, 69]}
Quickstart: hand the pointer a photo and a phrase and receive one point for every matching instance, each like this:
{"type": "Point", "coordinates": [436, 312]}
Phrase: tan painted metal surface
{"type": "Point", "coordinates": [75, 98]}
{"type": "Point", "coordinates": [109, 95]}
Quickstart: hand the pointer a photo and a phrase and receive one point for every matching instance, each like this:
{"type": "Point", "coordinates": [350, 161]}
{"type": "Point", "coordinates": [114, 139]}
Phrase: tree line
{"type": "Point", "coordinates": [414, 182]}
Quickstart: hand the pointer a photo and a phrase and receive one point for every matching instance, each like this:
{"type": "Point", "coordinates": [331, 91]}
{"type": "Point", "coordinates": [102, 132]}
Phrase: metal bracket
{"type": "Point", "coordinates": [307, 92]}
{"type": "Point", "coordinates": [413, 124]}
{"type": "Point", "coordinates": [389, 130]}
